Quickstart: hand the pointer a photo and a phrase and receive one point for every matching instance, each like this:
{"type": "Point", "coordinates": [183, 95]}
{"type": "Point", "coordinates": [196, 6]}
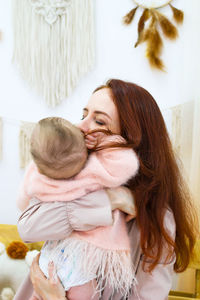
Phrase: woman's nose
{"type": "Point", "coordinates": [83, 126]}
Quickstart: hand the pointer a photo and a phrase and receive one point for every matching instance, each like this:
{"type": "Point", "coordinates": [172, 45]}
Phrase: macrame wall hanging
{"type": "Point", "coordinates": [182, 132]}
{"type": "Point", "coordinates": [53, 44]}
{"type": "Point", "coordinates": [26, 129]}
{"type": "Point", "coordinates": [149, 22]}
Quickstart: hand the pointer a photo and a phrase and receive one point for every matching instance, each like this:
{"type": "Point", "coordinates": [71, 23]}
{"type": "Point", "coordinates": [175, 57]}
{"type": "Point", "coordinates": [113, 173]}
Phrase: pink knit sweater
{"type": "Point", "coordinates": [105, 168]}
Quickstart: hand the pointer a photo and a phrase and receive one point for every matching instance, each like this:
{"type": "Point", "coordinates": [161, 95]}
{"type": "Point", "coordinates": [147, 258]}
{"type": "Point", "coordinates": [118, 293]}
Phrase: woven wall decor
{"type": "Point", "coordinates": [26, 129]}
{"type": "Point", "coordinates": [53, 44]}
{"type": "Point", "coordinates": [1, 137]}
{"type": "Point", "coordinates": [148, 27]}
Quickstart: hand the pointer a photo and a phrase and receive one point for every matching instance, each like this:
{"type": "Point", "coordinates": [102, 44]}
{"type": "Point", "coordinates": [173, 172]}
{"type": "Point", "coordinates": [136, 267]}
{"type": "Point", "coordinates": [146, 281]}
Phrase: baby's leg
{"type": "Point", "coordinates": [35, 296]}
{"type": "Point", "coordinates": [83, 292]}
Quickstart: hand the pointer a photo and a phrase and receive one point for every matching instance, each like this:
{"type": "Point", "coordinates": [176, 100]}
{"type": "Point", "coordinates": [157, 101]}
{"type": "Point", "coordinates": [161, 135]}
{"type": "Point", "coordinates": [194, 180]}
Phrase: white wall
{"type": "Point", "coordinates": [115, 57]}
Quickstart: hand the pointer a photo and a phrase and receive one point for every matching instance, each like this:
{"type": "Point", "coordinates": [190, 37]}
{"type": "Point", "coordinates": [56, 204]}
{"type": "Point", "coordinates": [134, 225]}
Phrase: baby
{"type": "Point", "coordinates": [62, 171]}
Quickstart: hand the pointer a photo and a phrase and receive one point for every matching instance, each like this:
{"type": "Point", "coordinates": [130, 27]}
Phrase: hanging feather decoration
{"type": "Point", "coordinates": [129, 17]}
{"type": "Point", "coordinates": [177, 14]}
{"type": "Point", "coordinates": [53, 44]}
{"type": "Point", "coordinates": [154, 45]}
{"type": "Point", "coordinates": [148, 31]}
{"type": "Point", "coordinates": [168, 29]}
{"type": "Point", "coordinates": [141, 25]}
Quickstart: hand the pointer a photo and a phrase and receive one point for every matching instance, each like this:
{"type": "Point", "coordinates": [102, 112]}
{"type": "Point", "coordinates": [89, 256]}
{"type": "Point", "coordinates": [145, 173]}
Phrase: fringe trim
{"type": "Point", "coordinates": [176, 128]}
{"type": "Point", "coordinates": [53, 58]}
{"type": "Point", "coordinates": [1, 138]}
{"type": "Point", "coordinates": [26, 129]}
{"type": "Point", "coordinates": [112, 268]}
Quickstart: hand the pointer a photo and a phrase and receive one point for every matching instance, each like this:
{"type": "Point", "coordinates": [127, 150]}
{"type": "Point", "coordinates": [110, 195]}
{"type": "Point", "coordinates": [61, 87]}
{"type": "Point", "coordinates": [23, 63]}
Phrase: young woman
{"type": "Point", "coordinates": [163, 234]}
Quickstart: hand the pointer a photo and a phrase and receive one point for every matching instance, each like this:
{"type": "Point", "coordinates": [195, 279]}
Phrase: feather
{"type": "Point", "coordinates": [145, 16]}
{"type": "Point", "coordinates": [168, 28]}
{"type": "Point", "coordinates": [147, 32]}
{"type": "Point", "coordinates": [154, 46]}
{"type": "Point", "coordinates": [155, 42]}
{"type": "Point", "coordinates": [177, 14]}
{"type": "Point", "coordinates": [128, 18]}
{"type": "Point", "coordinates": [154, 61]}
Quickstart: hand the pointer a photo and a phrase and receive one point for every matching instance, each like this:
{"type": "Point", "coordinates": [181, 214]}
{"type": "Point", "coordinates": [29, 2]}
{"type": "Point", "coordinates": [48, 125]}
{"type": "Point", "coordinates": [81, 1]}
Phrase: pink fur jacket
{"type": "Point", "coordinates": [104, 250]}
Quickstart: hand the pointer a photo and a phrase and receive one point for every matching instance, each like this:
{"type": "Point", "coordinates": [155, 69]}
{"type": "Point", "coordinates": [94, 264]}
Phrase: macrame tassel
{"type": "Point", "coordinates": [112, 268]}
{"type": "Point", "coordinates": [177, 14]}
{"type": "Point", "coordinates": [1, 138]}
{"type": "Point", "coordinates": [26, 129]}
{"type": "Point", "coordinates": [145, 16]}
{"type": "Point", "coordinates": [169, 30]}
{"type": "Point", "coordinates": [176, 128]}
{"type": "Point", "coordinates": [53, 54]}
{"type": "Point", "coordinates": [154, 45]}
{"type": "Point", "coordinates": [128, 18]}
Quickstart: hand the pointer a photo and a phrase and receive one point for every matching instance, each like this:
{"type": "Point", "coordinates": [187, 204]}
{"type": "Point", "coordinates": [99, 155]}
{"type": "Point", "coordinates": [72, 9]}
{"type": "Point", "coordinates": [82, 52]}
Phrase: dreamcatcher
{"type": "Point", "coordinates": [148, 24]}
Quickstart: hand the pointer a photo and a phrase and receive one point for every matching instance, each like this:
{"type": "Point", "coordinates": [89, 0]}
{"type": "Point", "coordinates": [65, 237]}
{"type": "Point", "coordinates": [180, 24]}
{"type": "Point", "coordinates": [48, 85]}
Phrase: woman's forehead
{"type": "Point", "coordinates": [101, 100]}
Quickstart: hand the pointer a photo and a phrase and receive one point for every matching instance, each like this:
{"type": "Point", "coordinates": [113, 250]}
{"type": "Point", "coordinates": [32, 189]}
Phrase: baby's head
{"type": "Point", "coordinates": [58, 148]}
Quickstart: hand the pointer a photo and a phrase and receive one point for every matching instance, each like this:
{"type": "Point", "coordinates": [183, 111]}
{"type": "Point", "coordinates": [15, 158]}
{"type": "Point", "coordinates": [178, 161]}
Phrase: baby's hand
{"type": "Point", "coordinates": [122, 198]}
{"type": "Point", "coordinates": [93, 139]}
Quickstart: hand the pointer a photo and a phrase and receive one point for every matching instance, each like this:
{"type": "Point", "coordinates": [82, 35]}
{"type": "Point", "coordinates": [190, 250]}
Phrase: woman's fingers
{"type": "Point", "coordinates": [35, 269]}
{"type": "Point", "coordinates": [52, 273]}
{"type": "Point", "coordinates": [47, 288]}
{"type": "Point", "coordinates": [35, 263]}
{"type": "Point", "coordinates": [35, 273]}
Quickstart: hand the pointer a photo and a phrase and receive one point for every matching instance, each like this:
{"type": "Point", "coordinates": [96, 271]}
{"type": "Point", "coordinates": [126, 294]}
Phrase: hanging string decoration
{"type": "Point", "coordinates": [149, 22]}
{"type": "Point", "coordinates": [26, 129]}
{"type": "Point", "coordinates": [1, 137]}
{"type": "Point", "coordinates": [182, 132]}
{"type": "Point", "coordinates": [53, 44]}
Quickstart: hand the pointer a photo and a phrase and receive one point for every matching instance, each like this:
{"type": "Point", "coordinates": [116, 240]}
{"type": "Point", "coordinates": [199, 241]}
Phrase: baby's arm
{"type": "Point", "coordinates": [43, 221]}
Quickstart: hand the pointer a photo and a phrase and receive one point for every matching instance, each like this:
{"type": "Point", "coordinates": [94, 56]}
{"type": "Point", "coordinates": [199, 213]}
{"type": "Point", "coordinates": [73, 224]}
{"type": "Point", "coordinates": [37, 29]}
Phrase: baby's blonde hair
{"type": "Point", "coordinates": [58, 148]}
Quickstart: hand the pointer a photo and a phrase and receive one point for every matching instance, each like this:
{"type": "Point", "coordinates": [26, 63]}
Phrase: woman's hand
{"type": "Point", "coordinates": [47, 288]}
{"type": "Point", "coordinates": [122, 198]}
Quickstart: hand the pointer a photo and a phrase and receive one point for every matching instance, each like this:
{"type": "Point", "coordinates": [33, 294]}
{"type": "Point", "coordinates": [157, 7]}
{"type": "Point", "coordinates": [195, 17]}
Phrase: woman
{"type": "Point", "coordinates": [163, 234]}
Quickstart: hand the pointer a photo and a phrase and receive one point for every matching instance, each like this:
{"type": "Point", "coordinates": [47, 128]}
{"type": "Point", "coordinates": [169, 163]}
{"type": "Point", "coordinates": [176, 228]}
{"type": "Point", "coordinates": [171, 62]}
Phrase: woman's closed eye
{"type": "Point", "coordinates": [101, 123]}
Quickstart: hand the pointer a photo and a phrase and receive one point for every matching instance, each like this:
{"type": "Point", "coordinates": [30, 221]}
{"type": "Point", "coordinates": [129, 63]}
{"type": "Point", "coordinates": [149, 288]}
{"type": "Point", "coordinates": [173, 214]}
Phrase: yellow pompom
{"type": "Point", "coordinates": [17, 250]}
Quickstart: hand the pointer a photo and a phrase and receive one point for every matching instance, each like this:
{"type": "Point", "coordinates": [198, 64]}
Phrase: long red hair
{"type": "Point", "coordinates": [159, 184]}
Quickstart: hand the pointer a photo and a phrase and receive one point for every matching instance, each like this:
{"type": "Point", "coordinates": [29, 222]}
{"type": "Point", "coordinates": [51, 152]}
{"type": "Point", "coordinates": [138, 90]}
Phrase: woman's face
{"type": "Point", "coordinates": [99, 113]}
